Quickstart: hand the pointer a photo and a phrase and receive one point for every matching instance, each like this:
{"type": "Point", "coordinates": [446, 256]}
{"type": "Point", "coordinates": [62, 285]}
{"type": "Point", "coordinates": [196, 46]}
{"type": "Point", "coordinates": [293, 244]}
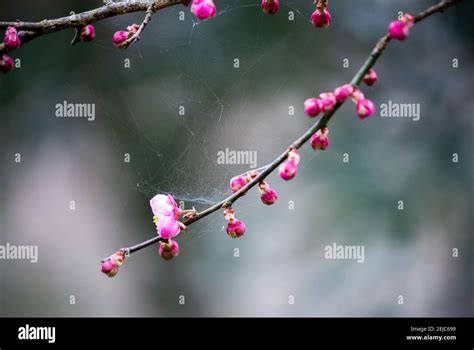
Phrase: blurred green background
{"type": "Point", "coordinates": [282, 62]}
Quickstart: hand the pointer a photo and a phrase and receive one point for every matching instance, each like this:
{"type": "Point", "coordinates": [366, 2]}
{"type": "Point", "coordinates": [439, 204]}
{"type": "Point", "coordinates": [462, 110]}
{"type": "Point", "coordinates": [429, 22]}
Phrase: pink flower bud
{"type": "Point", "coordinates": [11, 40]}
{"type": "Point", "coordinates": [294, 156]}
{"type": "Point", "coordinates": [270, 7]}
{"type": "Point", "coordinates": [320, 140]}
{"type": "Point", "coordinates": [235, 228]}
{"type": "Point", "coordinates": [111, 265]}
{"type": "Point", "coordinates": [321, 19]}
{"type": "Point", "coordinates": [6, 64]}
{"type": "Point", "coordinates": [268, 194]}
{"type": "Point", "coordinates": [168, 250]}
{"type": "Point", "coordinates": [312, 107]}
{"type": "Point", "coordinates": [119, 37]}
{"type": "Point", "coordinates": [87, 33]}
{"type": "Point", "coordinates": [203, 9]}
{"type": "Point", "coordinates": [343, 92]}
{"type": "Point", "coordinates": [10, 30]}
{"type": "Point", "coordinates": [357, 95]}
{"type": "Point", "coordinates": [365, 108]}
{"type": "Point", "coordinates": [400, 29]}
{"type": "Point", "coordinates": [287, 170]}
{"type": "Point", "coordinates": [237, 182]}
{"type": "Point", "coordinates": [109, 268]}
{"type": "Point", "coordinates": [328, 101]}
{"type": "Point", "coordinates": [133, 28]}
{"type": "Point", "coordinates": [370, 78]}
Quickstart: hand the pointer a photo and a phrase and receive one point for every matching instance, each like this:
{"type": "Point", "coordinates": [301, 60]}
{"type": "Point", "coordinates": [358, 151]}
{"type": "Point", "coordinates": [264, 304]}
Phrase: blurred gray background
{"type": "Point", "coordinates": [184, 63]}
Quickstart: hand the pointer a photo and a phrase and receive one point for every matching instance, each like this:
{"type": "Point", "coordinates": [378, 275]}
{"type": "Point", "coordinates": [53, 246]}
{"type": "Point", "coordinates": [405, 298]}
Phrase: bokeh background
{"type": "Point", "coordinates": [282, 62]}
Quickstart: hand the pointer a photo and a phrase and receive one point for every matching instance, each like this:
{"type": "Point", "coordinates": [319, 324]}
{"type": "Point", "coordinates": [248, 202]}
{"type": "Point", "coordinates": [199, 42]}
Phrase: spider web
{"type": "Point", "coordinates": [214, 93]}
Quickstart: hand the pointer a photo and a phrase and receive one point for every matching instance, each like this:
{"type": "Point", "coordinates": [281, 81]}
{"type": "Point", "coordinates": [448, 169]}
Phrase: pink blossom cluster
{"type": "Point", "coordinates": [364, 107]}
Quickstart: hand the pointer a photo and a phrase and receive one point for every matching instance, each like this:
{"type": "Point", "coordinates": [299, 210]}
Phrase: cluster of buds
{"type": "Point", "coordinates": [87, 33]}
{"type": "Point", "coordinates": [321, 17]}
{"type": "Point", "coordinates": [289, 168]}
{"type": "Point", "coordinates": [268, 195]}
{"type": "Point", "coordinates": [314, 106]}
{"type": "Point", "coordinates": [235, 228]}
{"type": "Point", "coordinates": [239, 181]}
{"type": "Point", "coordinates": [110, 266]}
{"type": "Point", "coordinates": [270, 7]}
{"type": "Point", "coordinates": [364, 107]}
{"type": "Point", "coordinates": [121, 36]}
{"type": "Point", "coordinates": [400, 29]}
{"type": "Point", "coordinates": [203, 9]}
{"type": "Point", "coordinates": [11, 41]}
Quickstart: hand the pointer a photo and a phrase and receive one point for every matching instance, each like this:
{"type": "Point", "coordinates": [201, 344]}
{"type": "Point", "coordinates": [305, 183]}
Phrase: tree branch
{"type": "Point", "coordinates": [136, 36]}
{"type": "Point", "coordinates": [31, 30]}
{"type": "Point", "coordinates": [269, 168]}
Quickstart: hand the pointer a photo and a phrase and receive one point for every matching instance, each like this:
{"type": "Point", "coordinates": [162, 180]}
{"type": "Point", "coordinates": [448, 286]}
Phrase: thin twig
{"type": "Point", "coordinates": [268, 169]}
{"type": "Point", "coordinates": [136, 36]}
{"type": "Point", "coordinates": [32, 30]}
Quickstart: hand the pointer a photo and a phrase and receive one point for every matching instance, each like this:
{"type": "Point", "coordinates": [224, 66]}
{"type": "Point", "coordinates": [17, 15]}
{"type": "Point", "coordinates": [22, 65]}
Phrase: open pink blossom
{"type": "Point", "coordinates": [168, 250]}
{"type": "Point", "coordinates": [320, 140]}
{"type": "Point", "coordinates": [203, 9]}
{"type": "Point", "coordinates": [166, 214]}
{"type": "Point", "coordinates": [270, 7]}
